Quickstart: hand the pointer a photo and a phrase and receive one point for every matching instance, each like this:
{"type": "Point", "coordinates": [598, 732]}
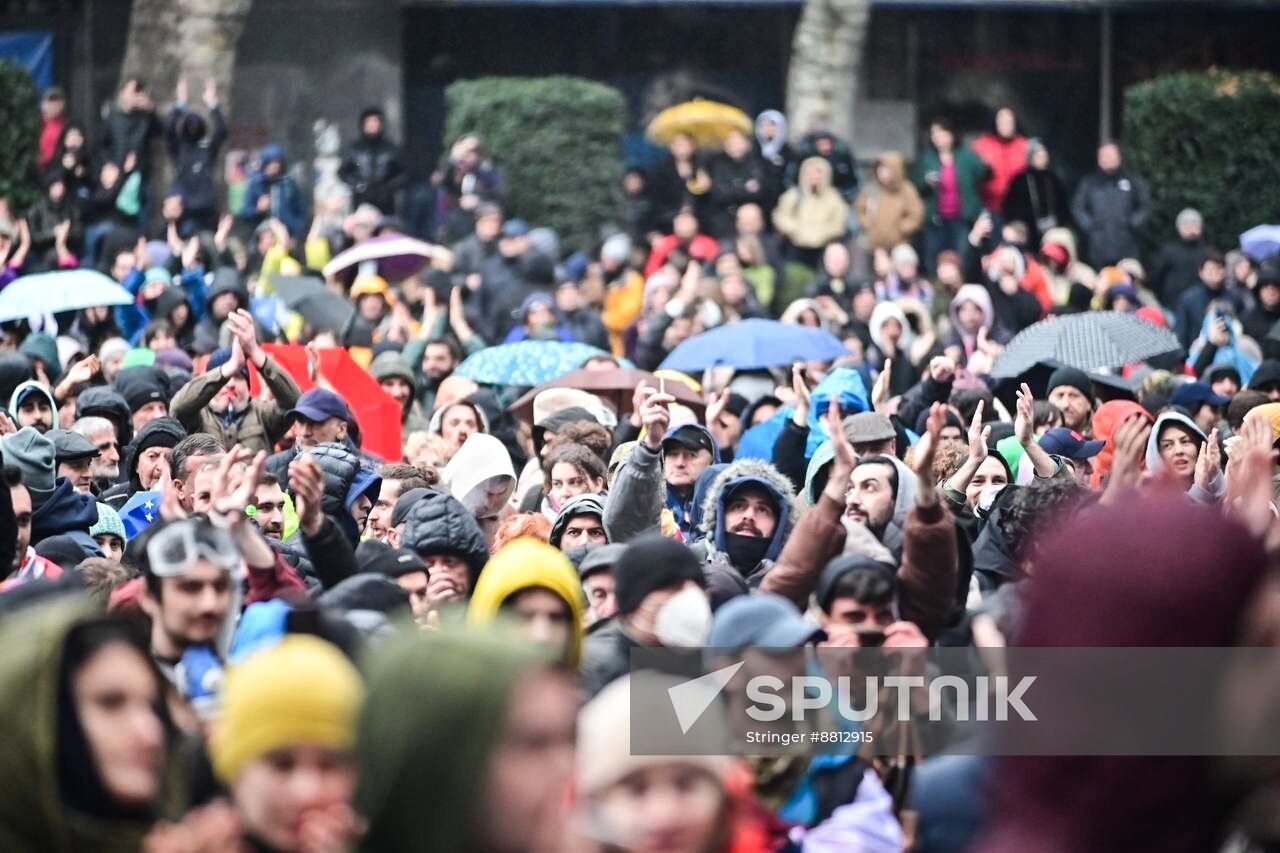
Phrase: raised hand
{"type": "Point", "coordinates": [1130, 443]}
{"type": "Point", "coordinates": [845, 458]}
{"type": "Point", "coordinates": [1024, 424]}
{"type": "Point", "coordinates": [245, 333]}
{"type": "Point", "coordinates": [235, 484]}
{"type": "Point", "coordinates": [941, 369]}
{"type": "Point", "coordinates": [1249, 473]}
{"type": "Point", "coordinates": [655, 417]}
{"type": "Point", "coordinates": [804, 399]}
{"type": "Point", "coordinates": [926, 449]}
{"type": "Point", "coordinates": [220, 236]}
{"type": "Point", "coordinates": [306, 481]}
{"type": "Point", "coordinates": [180, 93]}
{"type": "Point", "coordinates": [978, 434]}
{"type": "Point", "coordinates": [210, 93]}
{"type": "Point", "coordinates": [1208, 462]}
{"type": "Point", "coordinates": [880, 390]}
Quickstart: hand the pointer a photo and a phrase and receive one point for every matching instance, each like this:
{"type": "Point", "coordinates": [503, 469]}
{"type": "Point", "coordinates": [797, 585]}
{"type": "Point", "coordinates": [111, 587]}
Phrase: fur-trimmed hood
{"type": "Point", "coordinates": [750, 471]}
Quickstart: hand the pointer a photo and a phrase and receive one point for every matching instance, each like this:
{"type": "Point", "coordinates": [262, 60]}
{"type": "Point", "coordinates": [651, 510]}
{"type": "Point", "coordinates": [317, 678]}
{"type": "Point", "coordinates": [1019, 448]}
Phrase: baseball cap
{"type": "Point", "coordinates": [68, 445]}
{"type": "Point", "coordinates": [1070, 444]}
{"type": "Point", "coordinates": [693, 438]}
{"type": "Point", "coordinates": [763, 619]}
{"type": "Point", "coordinates": [1193, 395]}
{"type": "Point", "coordinates": [867, 427]}
{"type": "Point", "coordinates": [319, 404]}
{"type": "Point", "coordinates": [515, 228]}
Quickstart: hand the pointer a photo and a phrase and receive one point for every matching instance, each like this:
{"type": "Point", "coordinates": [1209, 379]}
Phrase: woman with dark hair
{"type": "Point", "coordinates": [948, 177]}
{"type": "Point", "coordinates": [87, 737]}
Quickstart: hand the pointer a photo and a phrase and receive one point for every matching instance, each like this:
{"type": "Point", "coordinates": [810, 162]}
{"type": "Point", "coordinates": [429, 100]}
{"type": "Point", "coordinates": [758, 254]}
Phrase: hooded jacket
{"type": "Point", "coordinates": [41, 389]}
{"type": "Point", "coordinates": [345, 480]}
{"type": "Point", "coordinates": [481, 458]}
{"type": "Point", "coordinates": [258, 427]}
{"type": "Point", "coordinates": [287, 203]}
{"type": "Point", "coordinates": [978, 295]}
{"type": "Point", "coordinates": [891, 212]}
{"type": "Point", "coordinates": [574, 507]}
{"type": "Point", "coordinates": [34, 814]}
{"type": "Point", "coordinates": [524, 564]}
{"type": "Point", "coordinates": [208, 330]}
{"type": "Point", "coordinates": [439, 524]}
{"type": "Point", "coordinates": [812, 218]}
{"type": "Point", "coordinates": [725, 579]}
{"type": "Point", "coordinates": [1155, 464]}
{"type": "Point", "coordinates": [434, 714]}
{"type": "Point", "coordinates": [105, 402]}
{"type": "Point", "coordinates": [162, 432]}
{"type": "Point", "coordinates": [1106, 420]}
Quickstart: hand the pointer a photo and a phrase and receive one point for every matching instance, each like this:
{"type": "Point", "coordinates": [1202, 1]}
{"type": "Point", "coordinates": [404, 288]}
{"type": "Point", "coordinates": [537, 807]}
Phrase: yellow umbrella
{"type": "Point", "coordinates": [708, 122]}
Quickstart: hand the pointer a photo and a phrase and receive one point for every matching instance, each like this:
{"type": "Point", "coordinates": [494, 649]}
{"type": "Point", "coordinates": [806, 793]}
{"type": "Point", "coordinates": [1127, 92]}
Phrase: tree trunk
{"type": "Point", "coordinates": [192, 38]}
{"type": "Point", "coordinates": [826, 59]}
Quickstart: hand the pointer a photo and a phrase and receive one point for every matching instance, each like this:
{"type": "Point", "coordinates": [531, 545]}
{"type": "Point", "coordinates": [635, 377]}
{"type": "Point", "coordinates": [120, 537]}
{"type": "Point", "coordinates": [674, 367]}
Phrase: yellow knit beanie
{"type": "Point", "coordinates": [301, 691]}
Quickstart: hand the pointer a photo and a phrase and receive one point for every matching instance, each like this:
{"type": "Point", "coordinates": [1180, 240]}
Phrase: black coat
{"type": "Point", "coordinates": [1110, 208]}
{"type": "Point", "coordinates": [733, 184]}
{"type": "Point", "coordinates": [1175, 269]}
{"type": "Point", "coordinates": [1035, 197]}
{"type": "Point", "coordinates": [123, 133]}
{"type": "Point", "coordinates": [439, 524]}
{"type": "Point", "coordinates": [194, 160]}
{"type": "Point", "coordinates": [1015, 312]}
{"type": "Point", "coordinates": [373, 170]}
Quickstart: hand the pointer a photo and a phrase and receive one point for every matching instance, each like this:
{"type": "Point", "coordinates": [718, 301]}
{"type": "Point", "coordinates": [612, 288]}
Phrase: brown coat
{"type": "Point", "coordinates": [926, 577]}
{"type": "Point", "coordinates": [889, 213]}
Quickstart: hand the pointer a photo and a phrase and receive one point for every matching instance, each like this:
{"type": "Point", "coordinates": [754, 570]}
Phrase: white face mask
{"type": "Point", "coordinates": [685, 620]}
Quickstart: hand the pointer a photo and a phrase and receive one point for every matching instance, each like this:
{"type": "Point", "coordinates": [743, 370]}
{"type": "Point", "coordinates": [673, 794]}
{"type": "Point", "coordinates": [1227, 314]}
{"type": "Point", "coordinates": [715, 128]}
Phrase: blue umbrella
{"type": "Point", "coordinates": [52, 292]}
{"type": "Point", "coordinates": [526, 363]}
{"type": "Point", "coordinates": [1261, 242]}
{"type": "Point", "coordinates": [753, 344]}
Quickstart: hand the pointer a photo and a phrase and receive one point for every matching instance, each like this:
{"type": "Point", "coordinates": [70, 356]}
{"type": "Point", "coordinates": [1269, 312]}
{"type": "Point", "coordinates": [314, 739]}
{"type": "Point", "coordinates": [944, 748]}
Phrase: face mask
{"type": "Point", "coordinates": [685, 620]}
{"type": "Point", "coordinates": [745, 552]}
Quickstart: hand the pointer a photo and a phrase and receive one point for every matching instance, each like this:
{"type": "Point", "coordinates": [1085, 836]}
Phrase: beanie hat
{"type": "Point", "coordinates": [109, 523]}
{"type": "Point", "coordinates": [652, 563]}
{"type": "Point", "coordinates": [300, 691]}
{"type": "Point", "coordinates": [605, 756]}
{"type": "Point", "coordinates": [1071, 377]}
{"type": "Point", "coordinates": [389, 365]}
{"type": "Point", "coordinates": [33, 454]}
{"type": "Point", "coordinates": [221, 356]}
{"type": "Point", "coordinates": [62, 549]}
{"type": "Point", "coordinates": [404, 503]}
{"type": "Point", "coordinates": [141, 385]}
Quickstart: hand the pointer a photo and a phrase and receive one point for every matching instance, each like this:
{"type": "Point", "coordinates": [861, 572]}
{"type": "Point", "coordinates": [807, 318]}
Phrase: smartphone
{"type": "Point", "coordinates": [870, 638]}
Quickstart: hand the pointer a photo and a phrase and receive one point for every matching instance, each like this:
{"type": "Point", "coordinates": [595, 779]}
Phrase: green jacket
{"type": "Point", "coordinates": [33, 816]}
{"type": "Point", "coordinates": [258, 429]}
{"type": "Point", "coordinates": [971, 172]}
{"type": "Point", "coordinates": [435, 710]}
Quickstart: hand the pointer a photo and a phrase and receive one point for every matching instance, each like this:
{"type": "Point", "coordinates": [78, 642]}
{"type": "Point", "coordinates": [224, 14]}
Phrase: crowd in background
{"type": "Point", "coordinates": [230, 624]}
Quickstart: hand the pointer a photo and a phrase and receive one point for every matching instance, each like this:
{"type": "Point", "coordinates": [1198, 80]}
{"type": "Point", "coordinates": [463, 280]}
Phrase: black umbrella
{"type": "Point", "coordinates": [1095, 340]}
{"type": "Point", "coordinates": [320, 307]}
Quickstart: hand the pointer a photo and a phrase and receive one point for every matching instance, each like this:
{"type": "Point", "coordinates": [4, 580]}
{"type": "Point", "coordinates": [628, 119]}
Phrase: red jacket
{"type": "Point", "coordinates": [50, 136]}
{"type": "Point", "coordinates": [701, 247]}
{"type": "Point", "coordinates": [1007, 159]}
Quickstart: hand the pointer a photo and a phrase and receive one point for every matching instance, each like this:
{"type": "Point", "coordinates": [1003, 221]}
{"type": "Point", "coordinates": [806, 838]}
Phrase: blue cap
{"type": "Point", "coordinates": [140, 512]}
{"type": "Point", "coordinates": [515, 228]}
{"type": "Point", "coordinates": [533, 299]}
{"type": "Point", "coordinates": [1193, 395]}
{"type": "Point", "coordinates": [764, 620]}
{"type": "Point", "coordinates": [1070, 444]}
{"type": "Point", "coordinates": [319, 405]}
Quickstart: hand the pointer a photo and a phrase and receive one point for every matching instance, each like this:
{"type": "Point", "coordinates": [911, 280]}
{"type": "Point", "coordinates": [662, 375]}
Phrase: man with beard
{"type": "Point", "coordinates": [269, 505]}
{"type": "Point", "coordinates": [218, 402]}
{"type": "Point", "coordinates": [33, 405]}
{"type": "Point", "coordinates": [101, 433]}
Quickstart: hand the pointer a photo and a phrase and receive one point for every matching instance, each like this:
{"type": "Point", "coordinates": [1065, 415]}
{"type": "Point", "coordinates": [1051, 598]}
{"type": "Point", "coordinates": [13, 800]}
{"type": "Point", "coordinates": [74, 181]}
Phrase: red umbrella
{"type": "Point", "coordinates": [377, 414]}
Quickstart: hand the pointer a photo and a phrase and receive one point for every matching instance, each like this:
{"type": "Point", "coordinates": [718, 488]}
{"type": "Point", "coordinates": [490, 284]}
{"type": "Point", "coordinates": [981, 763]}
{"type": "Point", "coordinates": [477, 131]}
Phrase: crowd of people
{"type": "Point", "coordinates": [230, 625]}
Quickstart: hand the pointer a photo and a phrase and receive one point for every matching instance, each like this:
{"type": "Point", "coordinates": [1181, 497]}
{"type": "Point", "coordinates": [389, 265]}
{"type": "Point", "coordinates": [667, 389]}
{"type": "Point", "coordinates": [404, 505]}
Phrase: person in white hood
{"type": "Point", "coordinates": [481, 477]}
{"type": "Point", "coordinates": [1179, 447]}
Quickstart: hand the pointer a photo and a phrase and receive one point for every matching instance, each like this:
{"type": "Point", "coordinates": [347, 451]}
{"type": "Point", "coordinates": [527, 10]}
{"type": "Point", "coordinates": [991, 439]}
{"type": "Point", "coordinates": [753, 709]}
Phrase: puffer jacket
{"type": "Point", "coordinates": [811, 219]}
{"type": "Point", "coordinates": [889, 213]}
{"type": "Point", "coordinates": [439, 524]}
{"type": "Point", "coordinates": [345, 480]}
{"type": "Point", "coordinates": [725, 580]}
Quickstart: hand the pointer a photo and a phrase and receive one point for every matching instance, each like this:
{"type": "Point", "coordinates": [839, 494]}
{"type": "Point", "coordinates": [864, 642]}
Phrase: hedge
{"type": "Point", "coordinates": [557, 141]}
{"type": "Point", "coordinates": [19, 136]}
{"type": "Point", "coordinates": [1208, 140]}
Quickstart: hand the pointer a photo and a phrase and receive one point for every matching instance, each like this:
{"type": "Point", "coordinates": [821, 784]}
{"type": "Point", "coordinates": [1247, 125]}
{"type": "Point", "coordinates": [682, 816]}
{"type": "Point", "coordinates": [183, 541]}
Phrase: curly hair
{"type": "Point", "coordinates": [579, 456]}
{"type": "Point", "coordinates": [533, 524]}
{"type": "Point", "coordinates": [1030, 508]}
{"type": "Point", "coordinates": [948, 458]}
{"type": "Point", "coordinates": [593, 436]}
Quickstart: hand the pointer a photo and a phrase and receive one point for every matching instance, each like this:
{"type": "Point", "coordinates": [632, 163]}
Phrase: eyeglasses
{"type": "Point", "coordinates": [174, 549]}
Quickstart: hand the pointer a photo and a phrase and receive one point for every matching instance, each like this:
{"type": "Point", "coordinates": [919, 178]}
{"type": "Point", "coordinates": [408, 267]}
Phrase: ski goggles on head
{"type": "Point", "coordinates": [176, 548]}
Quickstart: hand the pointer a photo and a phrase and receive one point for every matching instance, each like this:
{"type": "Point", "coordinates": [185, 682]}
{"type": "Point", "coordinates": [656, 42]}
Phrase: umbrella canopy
{"type": "Point", "coordinates": [377, 414]}
{"type": "Point", "coordinates": [395, 256]}
{"type": "Point", "coordinates": [320, 307]}
{"type": "Point", "coordinates": [1261, 242]}
{"type": "Point", "coordinates": [1091, 341]}
{"type": "Point", "coordinates": [615, 387]}
{"type": "Point", "coordinates": [754, 344]}
{"type": "Point", "coordinates": [526, 363]}
{"type": "Point", "coordinates": [52, 292]}
{"type": "Point", "coordinates": [708, 122]}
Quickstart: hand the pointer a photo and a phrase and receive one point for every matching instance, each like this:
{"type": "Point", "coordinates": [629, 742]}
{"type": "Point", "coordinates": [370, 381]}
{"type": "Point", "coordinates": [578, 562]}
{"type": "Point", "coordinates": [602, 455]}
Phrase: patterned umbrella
{"type": "Point", "coordinates": [1094, 340]}
{"type": "Point", "coordinates": [526, 363]}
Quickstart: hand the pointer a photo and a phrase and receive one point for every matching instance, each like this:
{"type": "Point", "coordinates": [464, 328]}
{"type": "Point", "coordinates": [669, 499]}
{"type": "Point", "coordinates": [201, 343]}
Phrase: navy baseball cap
{"type": "Point", "coordinates": [692, 437]}
{"type": "Point", "coordinates": [761, 620]}
{"type": "Point", "coordinates": [319, 405]}
{"type": "Point", "coordinates": [1193, 395]}
{"type": "Point", "coordinates": [1070, 444]}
